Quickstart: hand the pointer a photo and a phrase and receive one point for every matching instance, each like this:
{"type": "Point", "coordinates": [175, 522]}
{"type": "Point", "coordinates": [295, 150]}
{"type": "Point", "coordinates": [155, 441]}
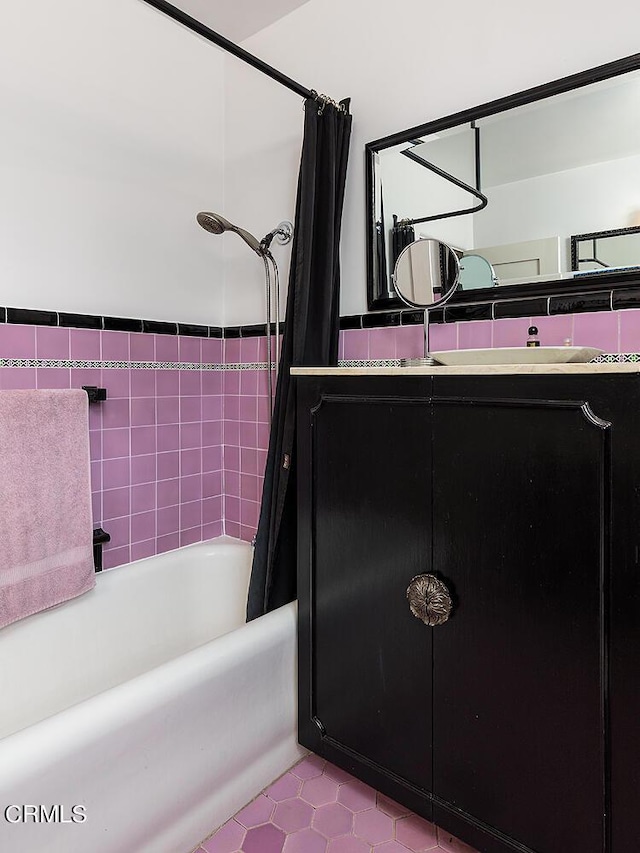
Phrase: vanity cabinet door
{"type": "Point", "coordinates": [520, 514]}
{"type": "Point", "coordinates": [365, 662]}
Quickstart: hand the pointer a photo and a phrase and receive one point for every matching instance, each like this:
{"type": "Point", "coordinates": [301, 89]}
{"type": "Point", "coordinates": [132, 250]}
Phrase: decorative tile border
{"type": "Point", "coordinates": [66, 320]}
{"type": "Point", "coordinates": [618, 358]}
{"type": "Point", "coordinates": [546, 306]}
{"type": "Point", "coordinates": [84, 364]}
{"type": "Point", "coordinates": [617, 296]}
{"type": "Point", "coordinates": [79, 364]}
{"type": "Point", "coordinates": [242, 365]}
{"type": "Point", "coordinates": [605, 358]}
{"type": "Point", "coordinates": [370, 362]}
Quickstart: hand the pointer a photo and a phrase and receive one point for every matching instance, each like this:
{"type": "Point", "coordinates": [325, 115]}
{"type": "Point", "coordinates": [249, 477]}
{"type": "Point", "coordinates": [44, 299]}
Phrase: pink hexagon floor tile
{"type": "Point", "coordinates": [257, 812]}
{"type": "Point", "coordinates": [319, 791]}
{"type": "Point", "coordinates": [333, 820]}
{"type": "Point", "coordinates": [452, 844]}
{"type": "Point", "coordinates": [226, 840]}
{"type": "Point", "coordinates": [348, 844]}
{"type": "Point", "coordinates": [357, 796]}
{"type": "Point", "coordinates": [285, 787]}
{"type": "Point", "coordinates": [374, 826]}
{"type": "Point", "coordinates": [416, 834]}
{"type": "Point", "coordinates": [264, 839]}
{"type": "Point", "coordinates": [293, 815]}
{"type": "Point", "coordinates": [391, 847]}
{"type": "Point", "coordinates": [309, 767]}
{"type": "Point", "coordinates": [337, 773]}
{"type": "Point", "coordinates": [305, 841]}
{"type": "Point", "coordinates": [390, 807]}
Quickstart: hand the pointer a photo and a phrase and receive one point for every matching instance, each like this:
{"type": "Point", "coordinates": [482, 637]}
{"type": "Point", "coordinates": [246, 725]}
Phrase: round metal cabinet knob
{"type": "Point", "coordinates": [429, 600]}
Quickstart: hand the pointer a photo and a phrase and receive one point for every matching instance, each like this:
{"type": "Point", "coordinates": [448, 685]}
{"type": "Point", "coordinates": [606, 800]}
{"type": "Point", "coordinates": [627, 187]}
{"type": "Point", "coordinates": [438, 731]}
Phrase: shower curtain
{"type": "Point", "coordinates": [402, 235]}
{"type": "Point", "coordinates": [310, 338]}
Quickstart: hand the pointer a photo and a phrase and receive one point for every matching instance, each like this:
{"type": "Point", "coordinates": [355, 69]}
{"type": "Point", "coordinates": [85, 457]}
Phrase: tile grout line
{"type": "Point", "coordinates": [374, 820]}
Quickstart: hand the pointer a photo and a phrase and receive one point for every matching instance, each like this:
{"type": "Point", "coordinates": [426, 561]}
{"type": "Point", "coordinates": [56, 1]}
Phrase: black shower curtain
{"type": "Point", "coordinates": [402, 235]}
{"type": "Point", "coordinates": [310, 338]}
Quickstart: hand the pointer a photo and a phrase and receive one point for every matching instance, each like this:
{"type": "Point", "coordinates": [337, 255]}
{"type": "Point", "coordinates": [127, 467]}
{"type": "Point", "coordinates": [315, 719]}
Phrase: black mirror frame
{"type": "Point", "coordinates": [596, 235]}
{"type": "Point", "coordinates": [587, 284]}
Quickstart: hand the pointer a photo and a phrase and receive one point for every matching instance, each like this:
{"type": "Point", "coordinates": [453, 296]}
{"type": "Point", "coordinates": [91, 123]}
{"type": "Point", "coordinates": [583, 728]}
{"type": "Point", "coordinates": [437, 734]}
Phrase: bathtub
{"type": "Point", "coordinates": [144, 713]}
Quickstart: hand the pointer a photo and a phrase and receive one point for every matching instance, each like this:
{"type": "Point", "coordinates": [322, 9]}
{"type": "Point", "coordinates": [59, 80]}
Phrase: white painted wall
{"type": "Point", "coordinates": [118, 126]}
{"type": "Point", "coordinates": [462, 52]}
{"type": "Point", "coordinates": [263, 136]}
{"type": "Point", "coordinates": [112, 139]}
{"type": "Point", "coordinates": [576, 201]}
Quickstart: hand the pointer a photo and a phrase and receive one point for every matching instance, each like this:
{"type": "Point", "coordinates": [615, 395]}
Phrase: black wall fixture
{"type": "Point", "coordinates": [95, 395]}
{"type": "Point", "coordinates": [100, 538]}
{"type": "Point", "coordinates": [210, 35]}
{"type": "Point", "coordinates": [474, 191]}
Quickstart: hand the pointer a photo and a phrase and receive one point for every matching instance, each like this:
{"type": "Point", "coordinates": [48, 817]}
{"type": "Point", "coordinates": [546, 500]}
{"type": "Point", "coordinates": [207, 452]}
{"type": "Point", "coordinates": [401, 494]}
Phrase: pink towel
{"type": "Point", "coordinates": [46, 539]}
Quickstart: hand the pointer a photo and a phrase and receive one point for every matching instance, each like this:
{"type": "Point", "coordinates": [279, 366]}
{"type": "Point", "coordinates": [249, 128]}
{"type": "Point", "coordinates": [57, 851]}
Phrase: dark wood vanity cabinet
{"type": "Point", "coordinates": [515, 724]}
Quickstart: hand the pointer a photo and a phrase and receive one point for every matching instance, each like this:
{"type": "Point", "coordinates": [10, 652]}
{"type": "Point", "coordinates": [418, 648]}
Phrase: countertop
{"type": "Point", "coordinates": [470, 370]}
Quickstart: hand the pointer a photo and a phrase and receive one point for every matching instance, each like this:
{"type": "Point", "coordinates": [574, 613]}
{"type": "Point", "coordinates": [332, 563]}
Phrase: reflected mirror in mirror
{"type": "Point", "coordinates": [426, 273]}
{"type": "Point", "coordinates": [476, 271]}
{"type": "Point", "coordinates": [604, 251]}
{"type": "Point", "coordinates": [512, 181]}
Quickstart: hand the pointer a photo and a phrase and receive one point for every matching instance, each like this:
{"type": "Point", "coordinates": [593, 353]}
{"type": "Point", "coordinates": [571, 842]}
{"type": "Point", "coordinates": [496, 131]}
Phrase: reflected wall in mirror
{"type": "Point", "coordinates": [511, 182]}
{"type": "Point", "coordinates": [606, 250]}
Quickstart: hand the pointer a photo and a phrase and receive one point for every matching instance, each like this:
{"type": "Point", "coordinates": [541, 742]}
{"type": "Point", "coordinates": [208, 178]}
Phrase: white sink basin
{"type": "Point", "coordinates": [517, 355]}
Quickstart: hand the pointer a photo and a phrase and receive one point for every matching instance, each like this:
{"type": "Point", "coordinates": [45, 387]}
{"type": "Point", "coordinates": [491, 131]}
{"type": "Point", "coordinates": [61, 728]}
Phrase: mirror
{"type": "Point", "coordinates": [426, 273]}
{"type": "Point", "coordinates": [606, 250]}
{"type": "Point", "coordinates": [513, 183]}
{"type": "Point", "coordinates": [476, 271]}
{"type": "Point", "coordinates": [426, 276]}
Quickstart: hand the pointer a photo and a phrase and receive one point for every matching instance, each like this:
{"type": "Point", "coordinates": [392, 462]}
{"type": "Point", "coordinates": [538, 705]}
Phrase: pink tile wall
{"type": "Point", "coordinates": [612, 332]}
{"type": "Point", "coordinates": [178, 456]}
{"type": "Point", "coordinates": [246, 435]}
{"type": "Point", "coordinates": [155, 443]}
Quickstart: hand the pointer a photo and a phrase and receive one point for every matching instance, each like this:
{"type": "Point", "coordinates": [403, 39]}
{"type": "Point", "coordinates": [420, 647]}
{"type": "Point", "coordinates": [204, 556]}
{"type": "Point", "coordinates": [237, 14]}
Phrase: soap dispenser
{"type": "Point", "coordinates": [532, 340]}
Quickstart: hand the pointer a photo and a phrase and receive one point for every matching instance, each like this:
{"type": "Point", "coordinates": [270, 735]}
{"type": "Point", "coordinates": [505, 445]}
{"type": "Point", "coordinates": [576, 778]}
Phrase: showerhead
{"type": "Point", "coordinates": [212, 223]}
{"type": "Point", "coordinates": [216, 224]}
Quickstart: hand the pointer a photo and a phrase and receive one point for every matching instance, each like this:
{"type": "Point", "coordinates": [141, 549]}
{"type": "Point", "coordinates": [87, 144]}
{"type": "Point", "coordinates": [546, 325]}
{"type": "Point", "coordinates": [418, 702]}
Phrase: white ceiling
{"type": "Point", "coordinates": [238, 19]}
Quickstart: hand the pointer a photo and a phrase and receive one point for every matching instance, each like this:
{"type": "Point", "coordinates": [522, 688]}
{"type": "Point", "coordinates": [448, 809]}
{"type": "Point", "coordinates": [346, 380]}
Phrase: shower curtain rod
{"type": "Point", "coordinates": [209, 34]}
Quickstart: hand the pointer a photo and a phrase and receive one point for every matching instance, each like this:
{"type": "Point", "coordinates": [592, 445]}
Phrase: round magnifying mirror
{"type": "Point", "coordinates": [426, 275]}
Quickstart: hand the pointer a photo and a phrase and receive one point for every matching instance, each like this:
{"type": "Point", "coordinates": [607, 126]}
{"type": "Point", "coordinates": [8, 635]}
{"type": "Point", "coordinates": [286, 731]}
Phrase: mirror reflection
{"type": "Point", "coordinates": [513, 187]}
{"type": "Point", "coordinates": [426, 273]}
{"type": "Point", "coordinates": [476, 272]}
{"type": "Point", "coordinates": [606, 250]}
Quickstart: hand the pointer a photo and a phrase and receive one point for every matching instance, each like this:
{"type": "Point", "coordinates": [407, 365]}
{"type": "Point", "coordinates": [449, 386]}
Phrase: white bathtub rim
{"type": "Point", "coordinates": [47, 739]}
{"type": "Point", "coordinates": [219, 543]}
